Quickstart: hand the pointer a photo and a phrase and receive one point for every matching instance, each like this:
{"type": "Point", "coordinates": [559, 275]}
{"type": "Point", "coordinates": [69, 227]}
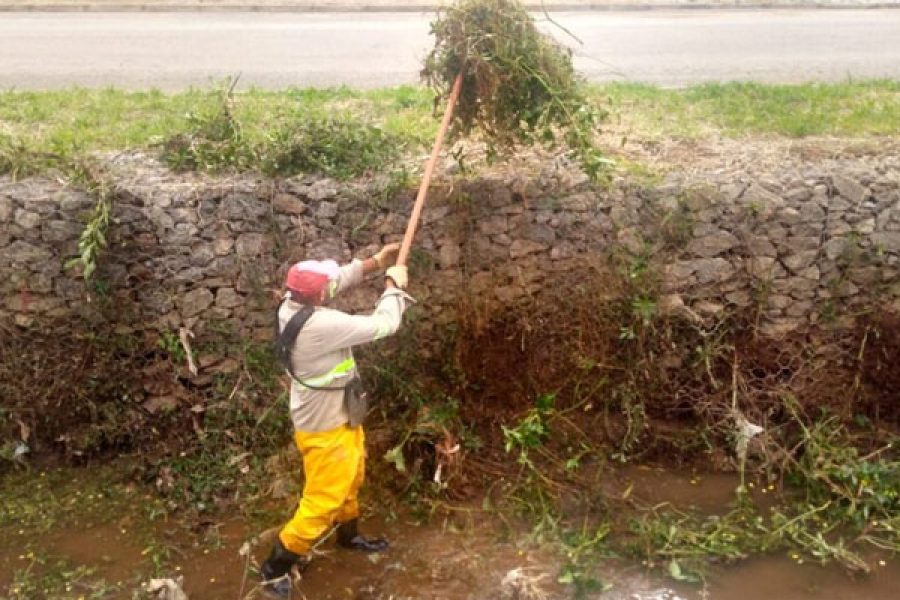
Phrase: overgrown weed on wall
{"type": "Point", "coordinates": [538, 402]}
{"type": "Point", "coordinates": [85, 395]}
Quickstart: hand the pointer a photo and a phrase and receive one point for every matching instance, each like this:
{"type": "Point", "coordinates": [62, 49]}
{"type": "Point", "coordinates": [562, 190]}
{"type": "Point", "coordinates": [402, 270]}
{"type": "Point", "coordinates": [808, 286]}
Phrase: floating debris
{"type": "Point", "coordinates": [166, 589]}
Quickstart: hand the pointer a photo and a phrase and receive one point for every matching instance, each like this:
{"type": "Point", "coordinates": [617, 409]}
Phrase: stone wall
{"type": "Point", "coordinates": [803, 244]}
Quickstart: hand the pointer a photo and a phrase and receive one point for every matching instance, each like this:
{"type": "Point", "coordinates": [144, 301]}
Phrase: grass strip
{"type": "Point", "coordinates": [44, 129]}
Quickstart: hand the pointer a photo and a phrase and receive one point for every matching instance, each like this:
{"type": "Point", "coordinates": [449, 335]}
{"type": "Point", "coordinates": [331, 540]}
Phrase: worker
{"type": "Point", "coordinates": [327, 404]}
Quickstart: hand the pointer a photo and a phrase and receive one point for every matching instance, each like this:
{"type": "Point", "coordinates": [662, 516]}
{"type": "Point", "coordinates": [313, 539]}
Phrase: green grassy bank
{"type": "Point", "coordinates": [46, 129]}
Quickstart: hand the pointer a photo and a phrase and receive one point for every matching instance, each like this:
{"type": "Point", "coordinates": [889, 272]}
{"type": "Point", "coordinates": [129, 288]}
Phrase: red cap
{"type": "Point", "coordinates": [305, 283]}
{"type": "Point", "coordinates": [308, 278]}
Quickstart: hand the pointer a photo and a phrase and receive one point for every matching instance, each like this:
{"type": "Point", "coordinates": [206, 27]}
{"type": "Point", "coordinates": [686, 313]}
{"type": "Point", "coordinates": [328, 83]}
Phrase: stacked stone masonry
{"type": "Point", "coordinates": [188, 250]}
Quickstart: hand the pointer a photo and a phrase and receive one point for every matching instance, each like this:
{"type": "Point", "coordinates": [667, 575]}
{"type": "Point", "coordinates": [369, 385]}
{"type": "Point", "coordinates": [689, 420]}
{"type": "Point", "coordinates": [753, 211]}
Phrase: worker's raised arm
{"type": "Point", "coordinates": [349, 275]}
{"type": "Point", "coordinates": [353, 272]}
{"type": "Point", "coordinates": [340, 330]}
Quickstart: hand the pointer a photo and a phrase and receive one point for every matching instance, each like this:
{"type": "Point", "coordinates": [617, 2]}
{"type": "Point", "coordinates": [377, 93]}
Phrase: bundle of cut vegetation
{"type": "Point", "coordinates": [519, 86]}
{"type": "Point", "coordinates": [341, 146]}
{"type": "Point", "coordinates": [215, 140]}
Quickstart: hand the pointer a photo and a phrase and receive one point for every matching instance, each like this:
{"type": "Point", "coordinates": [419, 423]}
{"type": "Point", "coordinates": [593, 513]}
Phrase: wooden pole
{"type": "Point", "coordinates": [405, 246]}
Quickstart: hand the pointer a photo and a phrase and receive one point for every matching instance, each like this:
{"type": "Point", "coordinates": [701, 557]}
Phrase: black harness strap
{"type": "Point", "coordinates": [284, 341]}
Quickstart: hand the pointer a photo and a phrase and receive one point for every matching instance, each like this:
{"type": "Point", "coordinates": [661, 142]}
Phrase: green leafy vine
{"type": "Point", "coordinates": [94, 235]}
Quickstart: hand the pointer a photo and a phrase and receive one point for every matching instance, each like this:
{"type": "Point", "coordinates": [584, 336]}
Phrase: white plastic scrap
{"type": "Point", "coordinates": [166, 589]}
{"type": "Point", "coordinates": [20, 451]}
{"type": "Point", "coordinates": [661, 594]}
{"type": "Point", "coordinates": [746, 431]}
{"type": "Point", "coordinates": [517, 584]}
{"type": "Point", "coordinates": [184, 336]}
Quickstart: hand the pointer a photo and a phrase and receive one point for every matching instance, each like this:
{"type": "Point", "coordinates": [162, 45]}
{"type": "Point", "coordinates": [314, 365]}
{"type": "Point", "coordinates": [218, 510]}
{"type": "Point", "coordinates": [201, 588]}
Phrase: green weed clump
{"type": "Point", "coordinates": [861, 489]}
{"type": "Point", "coordinates": [531, 430]}
{"type": "Point", "coordinates": [303, 142]}
{"type": "Point", "coordinates": [339, 147]}
{"type": "Point", "coordinates": [19, 159]}
{"type": "Point", "coordinates": [213, 142]}
{"type": "Point", "coordinates": [12, 153]}
{"type": "Point", "coordinates": [519, 86]}
{"type": "Point", "coordinates": [685, 543]}
{"type": "Point", "coordinates": [46, 577]}
{"type": "Point", "coordinates": [837, 502]}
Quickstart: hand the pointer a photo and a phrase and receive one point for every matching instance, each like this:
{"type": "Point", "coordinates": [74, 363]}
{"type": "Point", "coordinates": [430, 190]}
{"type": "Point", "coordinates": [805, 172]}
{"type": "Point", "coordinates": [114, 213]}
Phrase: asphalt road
{"type": "Point", "coordinates": [274, 50]}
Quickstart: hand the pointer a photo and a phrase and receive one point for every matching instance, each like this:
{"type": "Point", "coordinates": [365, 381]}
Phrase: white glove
{"type": "Point", "coordinates": [398, 274]}
{"type": "Point", "coordinates": [386, 255]}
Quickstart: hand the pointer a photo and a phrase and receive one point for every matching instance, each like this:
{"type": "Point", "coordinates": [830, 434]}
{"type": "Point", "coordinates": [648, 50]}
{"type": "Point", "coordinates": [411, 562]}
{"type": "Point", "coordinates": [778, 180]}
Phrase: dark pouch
{"type": "Point", "coordinates": [356, 402]}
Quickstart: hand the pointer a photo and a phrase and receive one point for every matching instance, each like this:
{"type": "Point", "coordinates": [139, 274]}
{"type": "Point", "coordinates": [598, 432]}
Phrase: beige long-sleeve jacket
{"type": "Point", "coordinates": [322, 355]}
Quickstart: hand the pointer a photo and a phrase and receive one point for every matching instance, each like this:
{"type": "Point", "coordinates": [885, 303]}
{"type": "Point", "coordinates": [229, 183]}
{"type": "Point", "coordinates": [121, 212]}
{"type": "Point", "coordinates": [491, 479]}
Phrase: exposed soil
{"type": "Point", "coordinates": [753, 153]}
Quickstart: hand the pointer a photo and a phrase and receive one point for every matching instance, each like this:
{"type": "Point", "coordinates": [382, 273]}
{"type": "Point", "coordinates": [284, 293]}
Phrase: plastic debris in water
{"type": "Point", "coordinates": [661, 594]}
{"type": "Point", "coordinates": [745, 431]}
{"type": "Point", "coordinates": [20, 450]}
{"type": "Point", "coordinates": [166, 589]}
{"type": "Point", "coordinates": [517, 584]}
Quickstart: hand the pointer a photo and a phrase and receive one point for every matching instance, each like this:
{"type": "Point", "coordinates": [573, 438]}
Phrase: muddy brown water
{"type": "Point", "coordinates": [461, 556]}
{"type": "Point", "coordinates": [775, 577]}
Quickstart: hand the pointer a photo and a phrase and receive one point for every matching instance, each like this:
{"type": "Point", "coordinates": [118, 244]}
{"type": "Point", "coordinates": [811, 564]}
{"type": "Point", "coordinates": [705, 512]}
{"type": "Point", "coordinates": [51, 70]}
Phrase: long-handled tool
{"type": "Point", "coordinates": [405, 246]}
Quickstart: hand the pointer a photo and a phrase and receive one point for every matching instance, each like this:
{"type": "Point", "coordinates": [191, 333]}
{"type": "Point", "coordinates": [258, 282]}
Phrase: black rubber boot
{"type": "Point", "coordinates": [277, 569]}
{"type": "Point", "coordinates": [348, 537]}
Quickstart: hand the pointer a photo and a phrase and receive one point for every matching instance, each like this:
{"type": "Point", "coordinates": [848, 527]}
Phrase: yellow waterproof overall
{"type": "Point", "coordinates": [334, 464]}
